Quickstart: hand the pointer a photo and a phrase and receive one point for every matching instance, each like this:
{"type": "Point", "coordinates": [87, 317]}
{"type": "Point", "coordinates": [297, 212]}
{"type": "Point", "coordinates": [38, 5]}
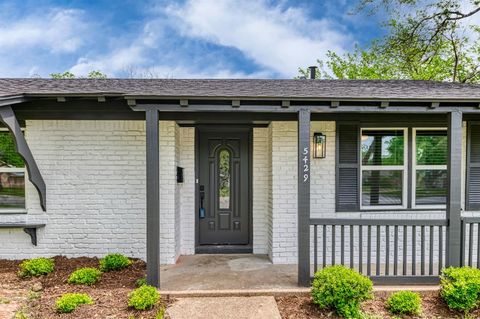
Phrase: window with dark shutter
{"type": "Point", "coordinates": [347, 167]}
{"type": "Point", "coordinates": [473, 167]}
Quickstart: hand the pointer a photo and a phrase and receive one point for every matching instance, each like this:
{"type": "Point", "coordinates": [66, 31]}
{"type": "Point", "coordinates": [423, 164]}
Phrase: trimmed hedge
{"type": "Point", "coordinates": [36, 267]}
{"type": "Point", "coordinates": [85, 276]}
{"type": "Point", "coordinates": [70, 301]}
{"type": "Point", "coordinates": [405, 303]}
{"type": "Point", "coordinates": [144, 297]}
{"type": "Point", "coordinates": [114, 262]}
{"type": "Point", "coordinates": [460, 288]}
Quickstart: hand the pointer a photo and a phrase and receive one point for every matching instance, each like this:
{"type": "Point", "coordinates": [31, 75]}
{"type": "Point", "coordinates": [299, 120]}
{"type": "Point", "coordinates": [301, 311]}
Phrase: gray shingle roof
{"type": "Point", "coordinates": [245, 88]}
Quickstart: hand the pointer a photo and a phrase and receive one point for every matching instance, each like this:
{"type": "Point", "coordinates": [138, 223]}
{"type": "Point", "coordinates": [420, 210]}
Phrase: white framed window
{"type": "Point", "coordinates": [429, 167]}
{"type": "Point", "coordinates": [12, 175]}
{"type": "Point", "coordinates": [383, 168]}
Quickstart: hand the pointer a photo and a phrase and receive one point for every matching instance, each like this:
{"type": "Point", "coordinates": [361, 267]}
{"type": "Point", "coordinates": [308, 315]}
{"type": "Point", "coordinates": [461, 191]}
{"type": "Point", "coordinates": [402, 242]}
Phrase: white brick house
{"type": "Point", "coordinates": [403, 151]}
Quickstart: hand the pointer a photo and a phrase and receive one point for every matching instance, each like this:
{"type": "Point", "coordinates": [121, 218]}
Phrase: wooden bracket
{"type": "Point", "coordinates": [184, 103]}
{"type": "Point", "coordinates": [384, 104]}
{"type": "Point", "coordinates": [235, 103]}
{"type": "Point", "coordinates": [334, 104]}
{"type": "Point", "coordinates": [285, 104]}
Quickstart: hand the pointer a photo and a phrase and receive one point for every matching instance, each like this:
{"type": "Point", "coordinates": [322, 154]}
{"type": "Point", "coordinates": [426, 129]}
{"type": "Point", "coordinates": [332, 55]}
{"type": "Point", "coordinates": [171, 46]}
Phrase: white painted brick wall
{"type": "Point", "coordinates": [95, 176]}
{"type": "Point", "coordinates": [261, 174]}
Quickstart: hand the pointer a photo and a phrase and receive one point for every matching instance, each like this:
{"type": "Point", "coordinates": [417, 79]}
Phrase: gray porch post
{"type": "Point", "coordinates": [454, 188]}
{"type": "Point", "coordinates": [153, 197]}
{"type": "Point", "coordinates": [304, 197]}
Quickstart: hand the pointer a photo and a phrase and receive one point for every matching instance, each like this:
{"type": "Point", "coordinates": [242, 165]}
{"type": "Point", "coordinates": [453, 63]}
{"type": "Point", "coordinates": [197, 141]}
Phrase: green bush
{"type": "Point", "coordinates": [36, 267]}
{"type": "Point", "coordinates": [70, 301]}
{"type": "Point", "coordinates": [114, 262]}
{"type": "Point", "coordinates": [85, 276]}
{"type": "Point", "coordinates": [143, 298]}
{"type": "Point", "coordinates": [342, 289]}
{"type": "Point", "coordinates": [141, 282]}
{"type": "Point", "coordinates": [460, 288]}
{"type": "Point", "coordinates": [405, 303]}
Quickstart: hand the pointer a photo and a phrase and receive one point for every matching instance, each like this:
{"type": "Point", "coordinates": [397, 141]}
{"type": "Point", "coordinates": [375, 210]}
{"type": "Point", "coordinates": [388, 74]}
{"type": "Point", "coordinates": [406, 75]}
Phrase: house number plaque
{"type": "Point", "coordinates": [306, 164]}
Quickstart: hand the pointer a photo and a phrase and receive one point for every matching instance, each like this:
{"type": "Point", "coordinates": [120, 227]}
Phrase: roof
{"type": "Point", "coordinates": [244, 88]}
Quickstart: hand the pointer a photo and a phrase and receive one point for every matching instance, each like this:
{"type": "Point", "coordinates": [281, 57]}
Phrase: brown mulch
{"type": "Point", "coordinates": [301, 307]}
{"type": "Point", "coordinates": [110, 294]}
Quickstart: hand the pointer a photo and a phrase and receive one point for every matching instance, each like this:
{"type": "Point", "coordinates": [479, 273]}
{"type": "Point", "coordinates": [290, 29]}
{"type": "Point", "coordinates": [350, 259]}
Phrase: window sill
{"type": "Point", "coordinates": [13, 211]}
{"type": "Point", "coordinates": [406, 210]}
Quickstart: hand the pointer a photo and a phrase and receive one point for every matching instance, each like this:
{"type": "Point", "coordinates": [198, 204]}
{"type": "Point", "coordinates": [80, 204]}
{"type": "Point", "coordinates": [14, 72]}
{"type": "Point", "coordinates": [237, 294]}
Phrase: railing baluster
{"type": "Point", "coordinates": [377, 255]}
{"type": "Point", "coordinates": [351, 247]}
{"type": "Point", "coordinates": [369, 250]}
{"type": "Point", "coordinates": [478, 245]}
{"type": "Point", "coordinates": [414, 250]}
{"type": "Point", "coordinates": [387, 250]}
{"type": "Point", "coordinates": [324, 243]}
{"type": "Point", "coordinates": [440, 249]}
{"type": "Point", "coordinates": [422, 253]}
{"type": "Point", "coordinates": [462, 243]}
{"type": "Point", "coordinates": [360, 249]}
{"type": "Point", "coordinates": [470, 244]}
{"type": "Point", "coordinates": [404, 237]}
{"type": "Point", "coordinates": [333, 245]}
{"type": "Point", "coordinates": [430, 251]}
{"type": "Point", "coordinates": [395, 252]}
{"type": "Point", "coordinates": [315, 249]}
{"type": "Point", "coordinates": [342, 245]}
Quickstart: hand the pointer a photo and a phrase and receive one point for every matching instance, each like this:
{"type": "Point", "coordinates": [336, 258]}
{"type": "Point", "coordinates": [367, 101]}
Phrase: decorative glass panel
{"type": "Point", "coordinates": [382, 187]}
{"type": "Point", "coordinates": [8, 155]}
{"type": "Point", "coordinates": [431, 187]}
{"type": "Point", "coordinates": [382, 147]}
{"type": "Point", "coordinates": [224, 179]}
{"type": "Point", "coordinates": [431, 147]}
{"type": "Point", "coordinates": [12, 190]}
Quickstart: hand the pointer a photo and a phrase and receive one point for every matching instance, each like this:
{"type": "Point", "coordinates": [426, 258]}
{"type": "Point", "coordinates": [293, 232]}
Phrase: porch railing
{"type": "Point", "coordinates": [470, 242]}
{"type": "Point", "coordinates": [387, 250]}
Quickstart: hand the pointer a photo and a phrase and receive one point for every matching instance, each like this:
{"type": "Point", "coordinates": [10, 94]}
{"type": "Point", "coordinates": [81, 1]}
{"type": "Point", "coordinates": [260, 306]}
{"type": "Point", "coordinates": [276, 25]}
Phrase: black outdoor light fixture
{"type": "Point", "coordinates": [319, 145]}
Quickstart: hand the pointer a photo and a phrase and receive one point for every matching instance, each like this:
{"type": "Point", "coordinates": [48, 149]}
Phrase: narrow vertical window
{"type": "Point", "coordinates": [12, 174]}
{"type": "Point", "coordinates": [224, 179]}
{"type": "Point", "coordinates": [430, 167]}
{"type": "Point", "coordinates": [383, 168]}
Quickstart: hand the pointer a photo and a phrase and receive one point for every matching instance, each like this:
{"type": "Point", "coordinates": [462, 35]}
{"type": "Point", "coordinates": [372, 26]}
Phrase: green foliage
{"type": "Point", "coordinates": [141, 282]}
{"type": "Point", "coordinates": [8, 154]}
{"type": "Point", "coordinates": [95, 74]}
{"type": "Point", "coordinates": [160, 314]}
{"type": "Point", "coordinates": [114, 262]}
{"type": "Point", "coordinates": [405, 303]}
{"type": "Point", "coordinates": [70, 301]}
{"type": "Point", "coordinates": [342, 289]}
{"type": "Point", "coordinates": [36, 267]}
{"type": "Point", "coordinates": [460, 288]}
{"type": "Point", "coordinates": [143, 298]}
{"type": "Point", "coordinates": [85, 276]}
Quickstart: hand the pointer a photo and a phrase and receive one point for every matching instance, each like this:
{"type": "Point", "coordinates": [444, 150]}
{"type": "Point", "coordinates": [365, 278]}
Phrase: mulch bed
{"type": "Point", "coordinates": [110, 294]}
{"type": "Point", "coordinates": [301, 307]}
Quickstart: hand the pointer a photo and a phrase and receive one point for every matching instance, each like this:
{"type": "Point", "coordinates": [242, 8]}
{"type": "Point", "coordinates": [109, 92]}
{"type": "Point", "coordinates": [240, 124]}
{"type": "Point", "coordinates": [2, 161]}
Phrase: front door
{"type": "Point", "coordinates": [223, 189]}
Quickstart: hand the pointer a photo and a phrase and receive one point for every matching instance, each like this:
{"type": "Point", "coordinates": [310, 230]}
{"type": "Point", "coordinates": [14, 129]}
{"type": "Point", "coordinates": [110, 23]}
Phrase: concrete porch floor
{"type": "Point", "coordinates": [227, 272]}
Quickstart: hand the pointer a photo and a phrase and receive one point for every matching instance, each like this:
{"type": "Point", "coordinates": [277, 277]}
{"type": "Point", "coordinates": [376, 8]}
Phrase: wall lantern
{"type": "Point", "coordinates": [319, 145]}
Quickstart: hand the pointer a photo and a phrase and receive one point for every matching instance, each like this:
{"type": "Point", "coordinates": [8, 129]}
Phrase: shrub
{"type": "Point", "coordinates": [141, 282]}
{"type": "Point", "coordinates": [143, 298]}
{"type": "Point", "coordinates": [114, 262]}
{"type": "Point", "coordinates": [36, 267]}
{"type": "Point", "coordinates": [405, 303]}
{"type": "Point", "coordinates": [85, 276]}
{"type": "Point", "coordinates": [70, 301]}
{"type": "Point", "coordinates": [342, 289]}
{"type": "Point", "coordinates": [460, 288]}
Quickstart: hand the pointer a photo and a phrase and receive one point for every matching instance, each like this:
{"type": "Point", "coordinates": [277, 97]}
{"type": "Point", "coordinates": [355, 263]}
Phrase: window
{"type": "Point", "coordinates": [224, 179]}
{"type": "Point", "coordinates": [12, 174]}
{"type": "Point", "coordinates": [383, 168]}
{"type": "Point", "coordinates": [429, 168]}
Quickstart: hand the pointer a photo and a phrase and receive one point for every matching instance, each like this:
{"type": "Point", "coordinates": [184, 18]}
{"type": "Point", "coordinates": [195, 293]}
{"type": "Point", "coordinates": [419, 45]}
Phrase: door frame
{"type": "Point", "coordinates": [224, 249]}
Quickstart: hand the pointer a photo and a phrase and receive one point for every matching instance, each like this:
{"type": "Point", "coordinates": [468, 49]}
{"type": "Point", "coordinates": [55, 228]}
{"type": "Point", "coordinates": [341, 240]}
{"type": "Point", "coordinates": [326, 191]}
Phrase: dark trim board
{"type": "Point", "coordinates": [214, 249]}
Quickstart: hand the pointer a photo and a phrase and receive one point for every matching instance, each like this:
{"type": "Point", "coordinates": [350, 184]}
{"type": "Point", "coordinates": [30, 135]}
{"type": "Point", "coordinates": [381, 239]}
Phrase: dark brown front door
{"type": "Point", "coordinates": [223, 188]}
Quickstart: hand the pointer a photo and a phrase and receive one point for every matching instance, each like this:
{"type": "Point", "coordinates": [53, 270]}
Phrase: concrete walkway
{"type": "Point", "coordinates": [224, 308]}
{"type": "Point", "coordinates": [227, 272]}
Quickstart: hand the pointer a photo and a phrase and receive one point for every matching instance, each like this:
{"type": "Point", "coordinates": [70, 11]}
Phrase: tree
{"type": "Point", "coordinates": [95, 74]}
{"type": "Point", "coordinates": [426, 40]}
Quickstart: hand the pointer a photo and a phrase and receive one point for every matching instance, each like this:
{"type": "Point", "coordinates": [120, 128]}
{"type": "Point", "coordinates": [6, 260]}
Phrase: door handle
{"type": "Point", "coordinates": [201, 210]}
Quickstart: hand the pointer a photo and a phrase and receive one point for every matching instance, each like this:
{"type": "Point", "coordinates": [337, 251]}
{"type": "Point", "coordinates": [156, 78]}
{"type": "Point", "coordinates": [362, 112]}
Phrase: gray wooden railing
{"type": "Point", "coordinates": [387, 250]}
{"type": "Point", "coordinates": [470, 242]}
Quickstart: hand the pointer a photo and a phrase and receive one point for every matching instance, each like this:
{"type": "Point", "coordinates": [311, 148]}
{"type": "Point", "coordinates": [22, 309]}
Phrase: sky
{"type": "Point", "coordinates": [176, 39]}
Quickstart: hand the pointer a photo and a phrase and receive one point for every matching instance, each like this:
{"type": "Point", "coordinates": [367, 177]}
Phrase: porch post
{"type": "Point", "coordinates": [153, 197]}
{"type": "Point", "coordinates": [454, 186]}
{"type": "Point", "coordinates": [304, 197]}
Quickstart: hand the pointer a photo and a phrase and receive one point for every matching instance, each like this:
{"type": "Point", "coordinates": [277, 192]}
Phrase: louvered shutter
{"type": "Point", "coordinates": [473, 167]}
{"type": "Point", "coordinates": [347, 167]}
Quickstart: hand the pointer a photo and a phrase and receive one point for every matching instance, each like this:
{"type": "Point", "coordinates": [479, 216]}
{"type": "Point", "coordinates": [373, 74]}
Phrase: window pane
{"type": "Point", "coordinates": [382, 188]}
{"type": "Point", "coordinates": [12, 190]}
{"type": "Point", "coordinates": [224, 179]}
{"type": "Point", "coordinates": [382, 147]}
{"type": "Point", "coordinates": [8, 156]}
{"type": "Point", "coordinates": [431, 187]}
{"type": "Point", "coordinates": [431, 147]}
